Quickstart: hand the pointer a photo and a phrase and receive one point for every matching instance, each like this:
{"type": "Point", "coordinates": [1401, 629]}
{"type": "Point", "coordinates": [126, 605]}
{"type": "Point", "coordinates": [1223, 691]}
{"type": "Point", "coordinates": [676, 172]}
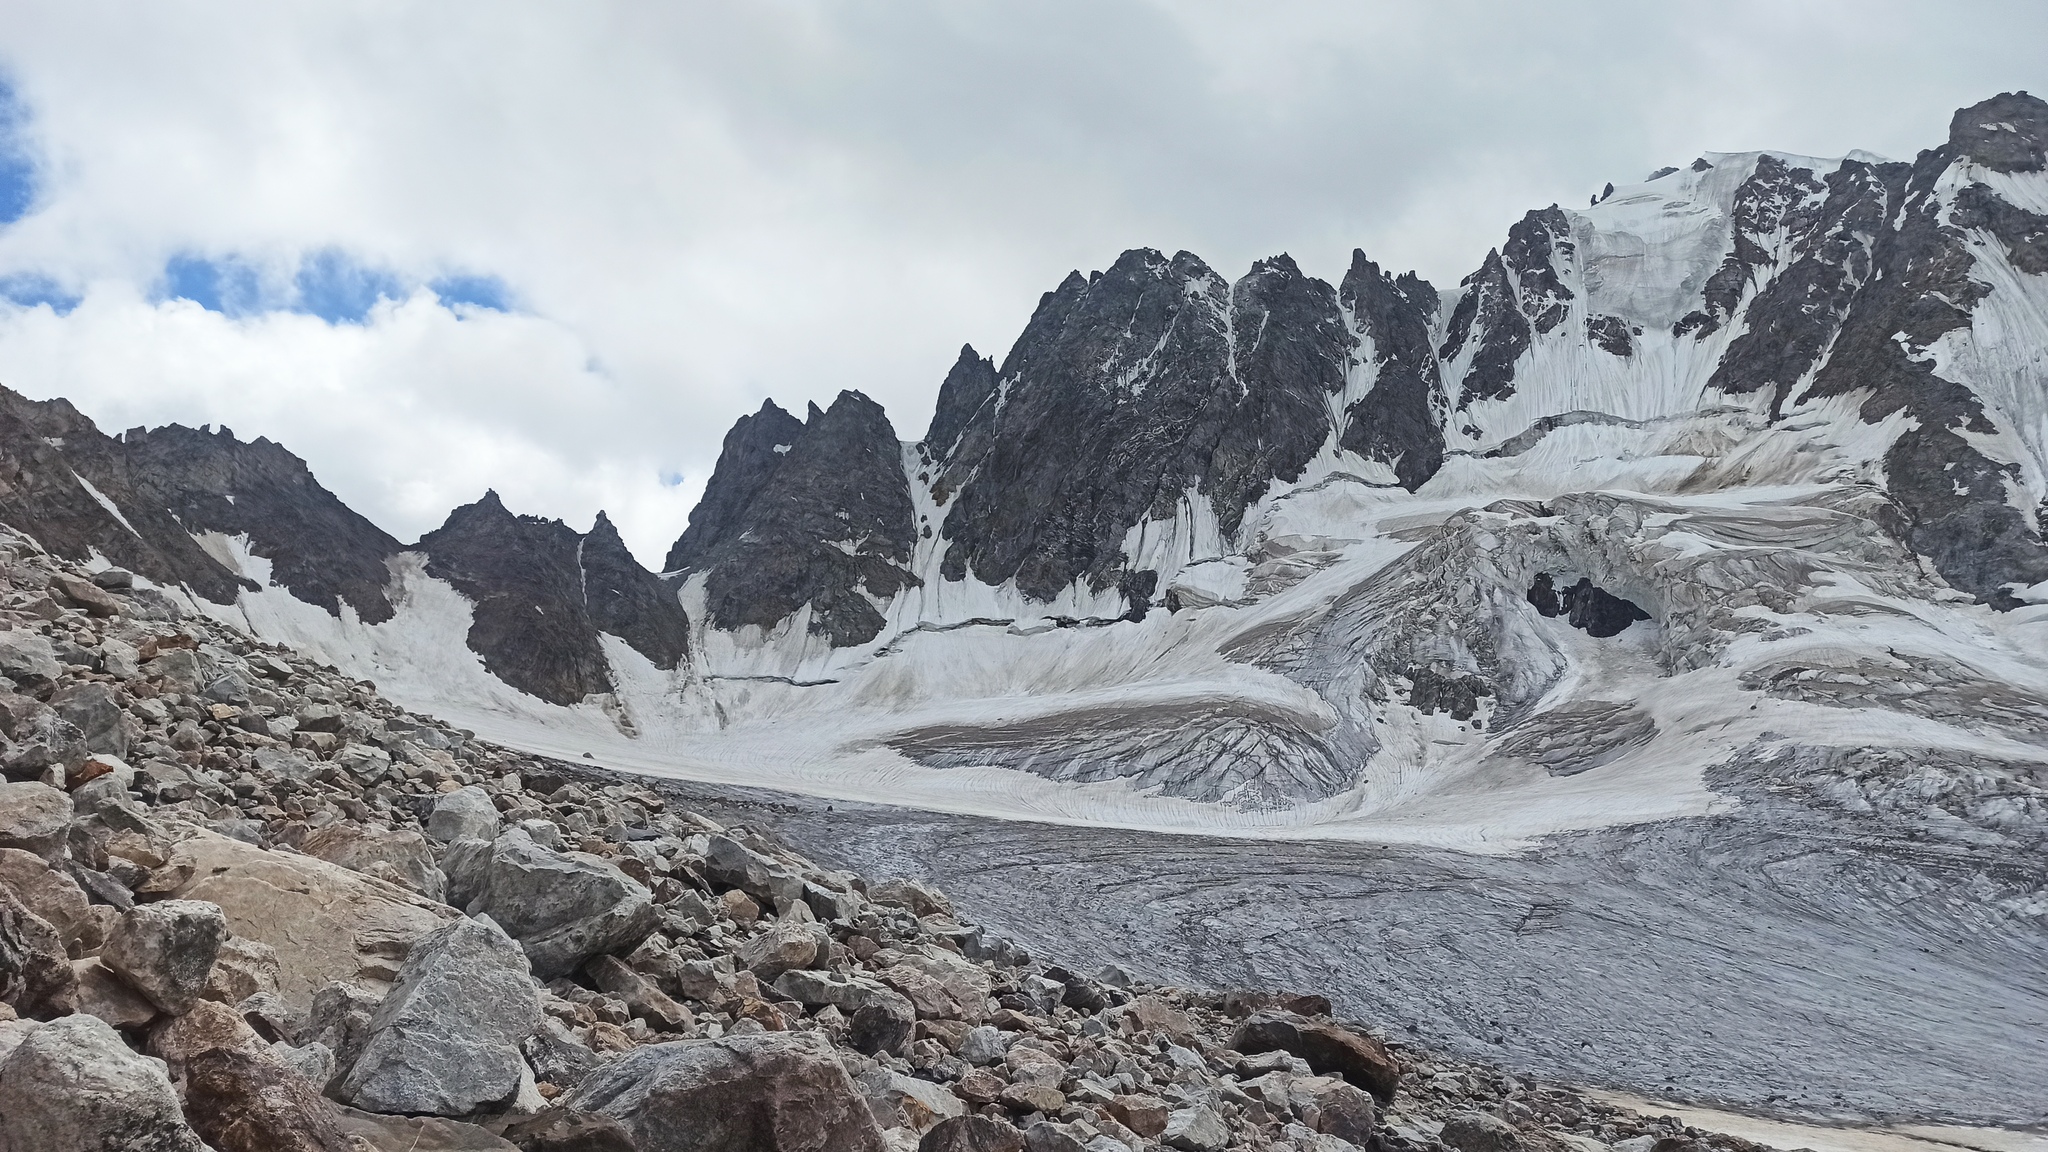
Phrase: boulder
{"type": "Point", "coordinates": [249, 1100]}
{"type": "Point", "coordinates": [176, 1039]}
{"type": "Point", "coordinates": [642, 998]}
{"type": "Point", "coordinates": [783, 948]}
{"type": "Point", "coordinates": [445, 1041]}
{"type": "Point", "coordinates": [766, 1092]}
{"type": "Point", "coordinates": [1149, 1013]}
{"type": "Point", "coordinates": [36, 978]}
{"type": "Point", "coordinates": [82, 593]}
{"type": "Point", "coordinates": [35, 818]}
{"type": "Point", "coordinates": [731, 864]}
{"type": "Point", "coordinates": [1343, 1110]}
{"type": "Point", "coordinates": [166, 950]}
{"type": "Point", "coordinates": [52, 895]}
{"type": "Point", "coordinates": [107, 996]}
{"type": "Point", "coordinates": [562, 907]}
{"type": "Point", "coordinates": [983, 1045]}
{"type": "Point", "coordinates": [972, 1134]}
{"type": "Point", "coordinates": [1330, 1049]}
{"type": "Point", "coordinates": [1195, 1129]}
{"type": "Point", "coordinates": [397, 856]}
{"type": "Point", "coordinates": [1479, 1132]}
{"type": "Point", "coordinates": [42, 739]}
{"type": "Point", "coordinates": [244, 968]}
{"type": "Point", "coordinates": [73, 1086]}
{"type": "Point", "coordinates": [882, 1025]}
{"type": "Point", "coordinates": [27, 657]}
{"type": "Point", "coordinates": [921, 900]}
{"type": "Point", "coordinates": [556, 1056]}
{"type": "Point", "coordinates": [325, 922]}
{"type": "Point", "coordinates": [464, 814]}
{"type": "Point", "coordinates": [90, 708]}
{"type": "Point", "coordinates": [899, 1101]}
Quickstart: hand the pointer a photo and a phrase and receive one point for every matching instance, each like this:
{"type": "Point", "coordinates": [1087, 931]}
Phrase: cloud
{"type": "Point", "coordinates": [557, 249]}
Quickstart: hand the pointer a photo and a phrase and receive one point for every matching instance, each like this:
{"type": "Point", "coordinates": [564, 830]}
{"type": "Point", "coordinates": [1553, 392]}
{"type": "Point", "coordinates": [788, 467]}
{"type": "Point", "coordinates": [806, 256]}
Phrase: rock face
{"type": "Point", "coordinates": [562, 907]}
{"type": "Point", "coordinates": [762, 1093]}
{"type": "Point", "coordinates": [1130, 394]}
{"type": "Point", "coordinates": [543, 594]}
{"type": "Point", "coordinates": [140, 498]}
{"type": "Point", "coordinates": [35, 978]}
{"type": "Point", "coordinates": [815, 514]}
{"type": "Point", "coordinates": [73, 1086]}
{"type": "Point", "coordinates": [445, 1041]}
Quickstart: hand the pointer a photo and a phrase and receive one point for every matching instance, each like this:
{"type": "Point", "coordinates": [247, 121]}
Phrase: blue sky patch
{"type": "Point", "coordinates": [29, 289]}
{"type": "Point", "coordinates": [479, 291]}
{"type": "Point", "coordinates": [332, 285]}
{"type": "Point", "coordinates": [671, 479]}
{"type": "Point", "coordinates": [17, 160]}
{"type": "Point", "coordinates": [228, 285]}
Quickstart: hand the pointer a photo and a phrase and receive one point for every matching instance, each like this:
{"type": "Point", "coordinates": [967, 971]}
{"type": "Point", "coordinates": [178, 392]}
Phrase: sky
{"type": "Point", "coordinates": [556, 249]}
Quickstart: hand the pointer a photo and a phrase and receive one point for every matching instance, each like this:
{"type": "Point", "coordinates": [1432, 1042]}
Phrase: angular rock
{"type": "Point", "coordinates": [240, 1100]}
{"type": "Point", "coordinates": [464, 814]}
{"type": "Point", "coordinates": [562, 907]}
{"type": "Point", "coordinates": [731, 864]}
{"type": "Point", "coordinates": [768, 1092]}
{"type": "Point", "coordinates": [446, 1039]}
{"type": "Point", "coordinates": [325, 922]}
{"type": "Point", "coordinates": [1479, 1132]}
{"type": "Point", "coordinates": [1151, 1014]}
{"type": "Point", "coordinates": [166, 950]}
{"type": "Point", "coordinates": [971, 1134]}
{"type": "Point", "coordinates": [80, 593]}
{"type": "Point", "coordinates": [36, 978]}
{"type": "Point", "coordinates": [882, 1025]}
{"type": "Point", "coordinates": [900, 1101]}
{"type": "Point", "coordinates": [1145, 1115]}
{"type": "Point", "coordinates": [35, 818]}
{"type": "Point", "coordinates": [1343, 1110]}
{"type": "Point", "coordinates": [27, 657]}
{"type": "Point", "coordinates": [107, 996]}
{"type": "Point", "coordinates": [90, 707]}
{"type": "Point", "coordinates": [244, 968]}
{"type": "Point", "coordinates": [52, 895]}
{"type": "Point", "coordinates": [556, 1056]}
{"type": "Point", "coordinates": [400, 856]}
{"type": "Point", "coordinates": [1196, 1129]}
{"type": "Point", "coordinates": [1330, 1049]}
{"type": "Point", "coordinates": [73, 1086]}
{"type": "Point", "coordinates": [783, 948]}
{"type": "Point", "coordinates": [642, 998]}
{"type": "Point", "coordinates": [912, 895]}
{"type": "Point", "coordinates": [983, 1045]}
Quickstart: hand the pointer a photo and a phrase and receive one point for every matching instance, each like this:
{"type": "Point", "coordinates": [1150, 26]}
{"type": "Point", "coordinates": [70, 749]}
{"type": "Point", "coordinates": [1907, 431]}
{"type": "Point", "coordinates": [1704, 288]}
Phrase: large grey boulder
{"type": "Point", "coordinates": [90, 707]}
{"type": "Point", "coordinates": [464, 814]}
{"type": "Point", "coordinates": [768, 1092]}
{"type": "Point", "coordinates": [166, 950]}
{"type": "Point", "coordinates": [445, 1041]}
{"type": "Point", "coordinates": [54, 896]}
{"type": "Point", "coordinates": [1479, 1132]}
{"type": "Point", "coordinates": [27, 657]}
{"type": "Point", "coordinates": [35, 818]}
{"type": "Point", "coordinates": [73, 1086]}
{"type": "Point", "coordinates": [562, 907]}
{"type": "Point", "coordinates": [40, 737]}
{"type": "Point", "coordinates": [36, 979]}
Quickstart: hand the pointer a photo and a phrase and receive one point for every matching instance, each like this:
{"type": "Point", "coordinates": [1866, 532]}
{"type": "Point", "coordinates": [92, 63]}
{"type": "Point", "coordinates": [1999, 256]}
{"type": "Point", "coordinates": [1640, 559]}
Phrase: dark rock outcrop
{"type": "Point", "coordinates": [1129, 391]}
{"type": "Point", "coordinates": [543, 593]}
{"type": "Point", "coordinates": [1399, 422]}
{"type": "Point", "coordinates": [138, 500]}
{"type": "Point", "coordinates": [817, 514]}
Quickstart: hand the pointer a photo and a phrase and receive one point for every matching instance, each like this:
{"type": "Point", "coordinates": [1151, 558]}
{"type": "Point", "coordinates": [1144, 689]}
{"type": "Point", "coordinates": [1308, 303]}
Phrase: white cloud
{"type": "Point", "coordinates": [715, 203]}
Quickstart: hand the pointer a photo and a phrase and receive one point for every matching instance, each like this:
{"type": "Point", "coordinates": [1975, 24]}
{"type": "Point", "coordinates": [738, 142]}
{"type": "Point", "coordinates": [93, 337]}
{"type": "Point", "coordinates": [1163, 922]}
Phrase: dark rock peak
{"type": "Point", "coordinates": [972, 383]}
{"type": "Point", "coordinates": [174, 482]}
{"type": "Point", "coordinates": [1701, 165]}
{"type": "Point", "coordinates": [817, 513]}
{"type": "Point", "coordinates": [1612, 334]}
{"type": "Point", "coordinates": [543, 593]}
{"type": "Point", "coordinates": [2007, 133]}
{"type": "Point", "coordinates": [1775, 194]}
{"type": "Point", "coordinates": [1489, 309]}
{"type": "Point", "coordinates": [1537, 244]}
{"type": "Point", "coordinates": [1400, 421]}
{"type": "Point", "coordinates": [1954, 499]}
{"type": "Point", "coordinates": [1126, 391]}
{"type": "Point", "coordinates": [1584, 605]}
{"type": "Point", "coordinates": [1790, 324]}
{"type": "Point", "coordinates": [1659, 174]}
{"type": "Point", "coordinates": [752, 452]}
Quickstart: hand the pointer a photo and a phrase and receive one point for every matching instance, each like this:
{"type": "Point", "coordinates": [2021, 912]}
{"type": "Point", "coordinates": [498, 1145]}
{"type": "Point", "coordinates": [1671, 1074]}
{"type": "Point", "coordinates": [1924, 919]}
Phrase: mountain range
{"type": "Point", "coordinates": [1750, 455]}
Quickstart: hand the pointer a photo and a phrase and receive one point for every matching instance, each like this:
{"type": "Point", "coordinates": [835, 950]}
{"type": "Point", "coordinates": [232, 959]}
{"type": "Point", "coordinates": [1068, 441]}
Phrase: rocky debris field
{"type": "Point", "coordinates": [247, 904]}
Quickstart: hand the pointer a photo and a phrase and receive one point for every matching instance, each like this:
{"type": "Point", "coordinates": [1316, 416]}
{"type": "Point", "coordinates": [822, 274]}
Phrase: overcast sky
{"type": "Point", "coordinates": [556, 249]}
